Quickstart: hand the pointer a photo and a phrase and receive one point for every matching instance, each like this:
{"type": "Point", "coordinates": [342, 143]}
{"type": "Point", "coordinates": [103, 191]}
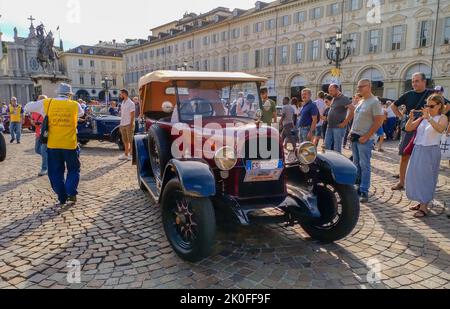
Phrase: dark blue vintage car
{"type": "Point", "coordinates": [99, 126]}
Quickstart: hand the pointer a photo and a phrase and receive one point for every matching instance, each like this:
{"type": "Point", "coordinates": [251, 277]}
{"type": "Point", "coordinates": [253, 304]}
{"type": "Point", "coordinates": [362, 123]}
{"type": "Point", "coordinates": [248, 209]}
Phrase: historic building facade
{"type": "Point", "coordinates": [285, 41]}
{"type": "Point", "coordinates": [88, 66]}
{"type": "Point", "coordinates": [21, 75]}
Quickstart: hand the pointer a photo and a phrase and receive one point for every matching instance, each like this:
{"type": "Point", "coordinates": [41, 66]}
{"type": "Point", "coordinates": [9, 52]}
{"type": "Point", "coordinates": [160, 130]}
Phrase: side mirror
{"type": "Point", "coordinates": [167, 107]}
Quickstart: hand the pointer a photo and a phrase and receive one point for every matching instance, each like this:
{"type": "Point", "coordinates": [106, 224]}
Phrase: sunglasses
{"type": "Point", "coordinates": [431, 106]}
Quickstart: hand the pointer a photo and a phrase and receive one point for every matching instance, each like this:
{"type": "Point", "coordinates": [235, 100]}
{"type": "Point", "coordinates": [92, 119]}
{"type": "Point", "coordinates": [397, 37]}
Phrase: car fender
{"type": "Point", "coordinates": [196, 177]}
{"type": "Point", "coordinates": [114, 134]}
{"type": "Point", "coordinates": [342, 170]}
{"type": "Point", "coordinates": [140, 150]}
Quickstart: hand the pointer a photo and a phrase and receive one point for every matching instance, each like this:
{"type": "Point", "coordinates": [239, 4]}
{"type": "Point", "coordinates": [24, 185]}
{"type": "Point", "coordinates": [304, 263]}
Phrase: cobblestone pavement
{"type": "Point", "coordinates": [115, 232]}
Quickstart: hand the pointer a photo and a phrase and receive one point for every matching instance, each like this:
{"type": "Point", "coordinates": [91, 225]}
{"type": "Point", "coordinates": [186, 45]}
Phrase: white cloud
{"type": "Point", "coordinates": [88, 21]}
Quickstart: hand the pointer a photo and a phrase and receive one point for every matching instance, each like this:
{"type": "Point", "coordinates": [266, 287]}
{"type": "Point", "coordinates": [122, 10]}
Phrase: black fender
{"type": "Point", "coordinates": [339, 168]}
{"type": "Point", "coordinates": [195, 176]}
{"type": "Point", "coordinates": [114, 134]}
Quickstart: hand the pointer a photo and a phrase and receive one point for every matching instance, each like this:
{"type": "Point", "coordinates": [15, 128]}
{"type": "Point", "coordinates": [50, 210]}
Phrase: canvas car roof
{"type": "Point", "coordinates": [167, 76]}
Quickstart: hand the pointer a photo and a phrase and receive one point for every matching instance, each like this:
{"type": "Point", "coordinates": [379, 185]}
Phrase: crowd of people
{"type": "Point", "coordinates": [362, 123]}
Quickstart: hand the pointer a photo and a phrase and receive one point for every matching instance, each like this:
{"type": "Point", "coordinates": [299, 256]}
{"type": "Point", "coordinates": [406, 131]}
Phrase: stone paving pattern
{"type": "Point", "coordinates": [115, 232]}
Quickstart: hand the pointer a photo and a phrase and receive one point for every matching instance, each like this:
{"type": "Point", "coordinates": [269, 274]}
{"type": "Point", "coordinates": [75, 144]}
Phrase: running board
{"type": "Point", "coordinates": [152, 187]}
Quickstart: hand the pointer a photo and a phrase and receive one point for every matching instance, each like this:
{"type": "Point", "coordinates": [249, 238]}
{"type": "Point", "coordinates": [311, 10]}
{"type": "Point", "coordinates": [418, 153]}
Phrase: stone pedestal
{"type": "Point", "coordinates": [47, 84]}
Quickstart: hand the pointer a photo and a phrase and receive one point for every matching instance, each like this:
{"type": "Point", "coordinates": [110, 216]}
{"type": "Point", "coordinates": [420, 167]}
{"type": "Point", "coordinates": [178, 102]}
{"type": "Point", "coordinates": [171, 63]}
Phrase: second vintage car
{"type": "Point", "coordinates": [201, 165]}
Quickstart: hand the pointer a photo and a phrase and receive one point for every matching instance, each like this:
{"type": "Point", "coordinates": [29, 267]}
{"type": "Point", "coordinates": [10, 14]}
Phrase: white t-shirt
{"type": "Point", "coordinates": [126, 110]}
{"type": "Point", "coordinates": [322, 107]}
{"type": "Point", "coordinates": [427, 135]}
{"type": "Point", "coordinates": [390, 113]}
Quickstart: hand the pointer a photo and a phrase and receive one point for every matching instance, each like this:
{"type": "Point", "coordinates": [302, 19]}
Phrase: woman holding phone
{"type": "Point", "coordinates": [423, 169]}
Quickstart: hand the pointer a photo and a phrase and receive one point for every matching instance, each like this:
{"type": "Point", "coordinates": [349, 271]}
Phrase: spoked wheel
{"type": "Point", "coordinates": [159, 151]}
{"type": "Point", "coordinates": [339, 206]}
{"type": "Point", "coordinates": [189, 223]}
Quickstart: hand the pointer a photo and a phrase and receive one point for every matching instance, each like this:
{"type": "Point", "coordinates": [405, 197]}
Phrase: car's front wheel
{"type": "Point", "coordinates": [2, 148]}
{"type": "Point", "coordinates": [339, 207]}
{"type": "Point", "coordinates": [189, 223]}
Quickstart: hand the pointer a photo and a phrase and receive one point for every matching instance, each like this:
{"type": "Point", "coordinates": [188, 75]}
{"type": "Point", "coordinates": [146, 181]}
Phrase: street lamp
{"type": "Point", "coordinates": [184, 67]}
{"type": "Point", "coordinates": [106, 85]}
{"type": "Point", "coordinates": [338, 49]}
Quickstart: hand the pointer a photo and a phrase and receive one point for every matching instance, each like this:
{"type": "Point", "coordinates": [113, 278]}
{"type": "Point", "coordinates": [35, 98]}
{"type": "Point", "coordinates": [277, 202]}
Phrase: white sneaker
{"type": "Point", "coordinates": [130, 158]}
{"type": "Point", "coordinates": [123, 158]}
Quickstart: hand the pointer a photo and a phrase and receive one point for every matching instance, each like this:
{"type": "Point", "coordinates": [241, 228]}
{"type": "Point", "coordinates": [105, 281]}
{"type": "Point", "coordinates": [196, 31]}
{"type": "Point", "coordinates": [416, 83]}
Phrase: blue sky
{"type": "Point", "coordinates": [89, 21]}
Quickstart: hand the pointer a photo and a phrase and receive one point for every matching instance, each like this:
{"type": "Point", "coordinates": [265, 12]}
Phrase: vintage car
{"type": "Point", "coordinates": [2, 143]}
{"type": "Point", "coordinates": [201, 165]}
{"type": "Point", "coordinates": [98, 125]}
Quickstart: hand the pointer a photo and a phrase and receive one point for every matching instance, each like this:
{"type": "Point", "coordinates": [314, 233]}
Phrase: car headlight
{"type": "Point", "coordinates": [225, 158]}
{"type": "Point", "coordinates": [307, 153]}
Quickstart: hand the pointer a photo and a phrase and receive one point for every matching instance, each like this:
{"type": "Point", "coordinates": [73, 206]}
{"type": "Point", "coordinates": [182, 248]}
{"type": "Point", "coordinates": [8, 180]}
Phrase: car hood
{"type": "Point", "coordinates": [107, 118]}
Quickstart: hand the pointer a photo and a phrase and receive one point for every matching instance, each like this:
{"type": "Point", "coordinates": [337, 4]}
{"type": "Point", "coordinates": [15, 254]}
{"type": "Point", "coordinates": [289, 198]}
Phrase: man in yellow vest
{"type": "Point", "coordinates": [63, 114]}
{"type": "Point", "coordinates": [15, 120]}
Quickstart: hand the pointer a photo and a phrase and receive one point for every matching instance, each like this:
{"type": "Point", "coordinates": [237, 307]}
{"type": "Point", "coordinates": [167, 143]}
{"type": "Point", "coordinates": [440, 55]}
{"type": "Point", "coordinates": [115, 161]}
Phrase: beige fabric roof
{"type": "Point", "coordinates": [166, 76]}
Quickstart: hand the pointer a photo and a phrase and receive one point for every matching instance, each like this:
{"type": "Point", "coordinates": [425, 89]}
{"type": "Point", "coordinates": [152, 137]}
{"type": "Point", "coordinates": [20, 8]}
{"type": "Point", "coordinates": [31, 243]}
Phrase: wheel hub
{"type": "Point", "coordinates": [184, 220]}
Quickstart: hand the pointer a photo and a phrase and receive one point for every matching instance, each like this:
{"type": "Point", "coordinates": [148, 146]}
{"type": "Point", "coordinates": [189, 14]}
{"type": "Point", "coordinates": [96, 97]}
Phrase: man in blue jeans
{"type": "Point", "coordinates": [309, 118]}
{"type": "Point", "coordinates": [369, 117]}
{"type": "Point", "coordinates": [340, 115]}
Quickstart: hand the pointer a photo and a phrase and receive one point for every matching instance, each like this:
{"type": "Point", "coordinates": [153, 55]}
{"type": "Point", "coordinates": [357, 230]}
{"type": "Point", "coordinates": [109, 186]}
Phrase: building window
{"type": "Point", "coordinates": [93, 80]}
{"type": "Point", "coordinates": [257, 59]}
{"type": "Point", "coordinates": [246, 30]}
{"type": "Point", "coordinates": [235, 33]}
{"type": "Point", "coordinates": [205, 65]}
{"type": "Point", "coordinates": [91, 51]}
{"type": "Point", "coordinates": [80, 62]}
{"type": "Point", "coordinates": [284, 54]}
{"type": "Point", "coordinates": [81, 79]}
{"type": "Point", "coordinates": [355, 5]}
{"type": "Point", "coordinates": [447, 31]}
{"type": "Point", "coordinates": [245, 60]}
{"type": "Point", "coordinates": [189, 46]}
{"type": "Point", "coordinates": [315, 50]}
{"type": "Point", "coordinates": [316, 13]}
{"type": "Point", "coordinates": [224, 64]}
{"type": "Point", "coordinates": [270, 56]}
{"type": "Point", "coordinates": [197, 65]}
{"type": "Point", "coordinates": [258, 27]}
{"type": "Point", "coordinates": [224, 36]}
{"type": "Point", "coordinates": [235, 63]}
{"type": "Point", "coordinates": [397, 37]}
{"type": "Point", "coordinates": [215, 38]}
{"type": "Point", "coordinates": [300, 17]}
{"type": "Point", "coordinates": [374, 41]}
{"type": "Point", "coordinates": [270, 24]}
{"type": "Point", "coordinates": [114, 81]}
{"type": "Point", "coordinates": [206, 40]}
{"type": "Point", "coordinates": [285, 21]}
{"type": "Point", "coordinates": [334, 9]}
{"type": "Point", "coordinates": [355, 43]}
{"type": "Point", "coordinates": [92, 63]}
{"type": "Point", "coordinates": [424, 33]}
{"type": "Point", "coordinates": [299, 52]}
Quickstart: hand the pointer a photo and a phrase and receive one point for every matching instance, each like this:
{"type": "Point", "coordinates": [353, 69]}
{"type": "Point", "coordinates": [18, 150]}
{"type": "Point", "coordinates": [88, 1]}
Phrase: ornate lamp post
{"type": "Point", "coordinates": [184, 67]}
{"type": "Point", "coordinates": [106, 86]}
{"type": "Point", "coordinates": [338, 50]}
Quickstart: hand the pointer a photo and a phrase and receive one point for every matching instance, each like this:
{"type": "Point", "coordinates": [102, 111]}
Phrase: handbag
{"type": "Point", "coordinates": [43, 138]}
{"type": "Point", "coordinates": [445, 145]}
{"type": "Point", "coordinates": [410, 147]}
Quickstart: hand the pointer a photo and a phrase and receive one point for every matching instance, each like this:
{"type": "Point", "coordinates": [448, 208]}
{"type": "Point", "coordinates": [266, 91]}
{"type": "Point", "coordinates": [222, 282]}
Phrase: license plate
{"type": "Point", "coordinates": [267, 170]}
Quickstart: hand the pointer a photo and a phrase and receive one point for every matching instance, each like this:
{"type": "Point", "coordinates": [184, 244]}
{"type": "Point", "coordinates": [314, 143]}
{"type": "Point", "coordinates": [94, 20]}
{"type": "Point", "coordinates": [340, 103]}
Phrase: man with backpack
{"type": "Point", "coordinates": [40, 148]}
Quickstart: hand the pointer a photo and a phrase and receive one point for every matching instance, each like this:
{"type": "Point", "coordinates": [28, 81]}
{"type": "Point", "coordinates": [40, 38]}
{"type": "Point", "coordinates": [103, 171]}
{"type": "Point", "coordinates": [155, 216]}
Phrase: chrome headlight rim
{"type": "Point", "coordinates": [219, 159]}
{"type": "Point", "coordinates": [306, 153]}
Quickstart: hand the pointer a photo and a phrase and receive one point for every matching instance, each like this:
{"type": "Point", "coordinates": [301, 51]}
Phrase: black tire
{"type": "Point", "coordinates": [340, 208]}
{"type": "Point", "coordinates": [200, 245]}
{"type": "Point", "coordinates": [118, 140]}
{"type": "Point", "coordinates": [139, 169]}
{"type": "Point", "coordinates": [158, 150]}
{"type": "Point", "coordinates": [2, 148]}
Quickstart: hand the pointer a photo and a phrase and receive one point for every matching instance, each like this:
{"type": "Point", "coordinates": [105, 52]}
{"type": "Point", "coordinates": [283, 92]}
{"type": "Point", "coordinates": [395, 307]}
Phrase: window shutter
{"type": "Point", "coordinates": [418, 33]}
{"type": "Point", "coordinates": [404, 36]}
{"type": "Point", "coordinates": [267, 24]}
{"type": "Point", "coordinates": [431, 24]}
{"type": "Point", "coordinates": [329, 9]}
{"type": "Point", "coordinates": [320, 50]}
{"type": "Point", "coordinates": [366, 42]}
{"type": "Point", "coordinates": [321, 12]}
{"type": "Point", "coordinates": [311, 14]}
{"type": "Point", "coordinates": [347, 5]}
{"type": "Point", "coordinates": [389, 33]}
{"type": "Point", "coordinates": [360, 4]}
{"type": "Point", "coordinates": [288, 56]}
{"type": "Point", "coordinates": [289, 20]}
{"type": "Point", "coordinates": [440, 31]}
{"type": "Point", "coordinates": [380, 34]}
{"type": "Point", "coordinates": [293, 53]}
{"type": "Point", "coordinates": [266, 57]}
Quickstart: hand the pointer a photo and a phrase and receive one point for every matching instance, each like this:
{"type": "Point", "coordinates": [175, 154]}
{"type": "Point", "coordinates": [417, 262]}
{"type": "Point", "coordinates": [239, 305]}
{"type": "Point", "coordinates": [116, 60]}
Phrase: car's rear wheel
{"type": "Point", "coordinates": [2, 148]}
{"type": "Point", "coordinates": [189, 223]}
{"type": "Point", "coordinates": [339, 206]}
{"type": "Point", "coordinates": [158, 150]}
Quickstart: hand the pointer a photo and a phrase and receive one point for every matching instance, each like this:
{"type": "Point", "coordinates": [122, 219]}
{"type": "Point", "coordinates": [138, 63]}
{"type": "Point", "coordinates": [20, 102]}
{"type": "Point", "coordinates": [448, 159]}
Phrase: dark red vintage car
{"type": "Point", "coordinates": [201, 164]}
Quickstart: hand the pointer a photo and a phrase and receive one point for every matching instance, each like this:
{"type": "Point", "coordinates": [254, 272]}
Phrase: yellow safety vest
{"type": "Point", "coordinates": [15, 113]}
{"type": "Point", "coordinates": [62, 122]}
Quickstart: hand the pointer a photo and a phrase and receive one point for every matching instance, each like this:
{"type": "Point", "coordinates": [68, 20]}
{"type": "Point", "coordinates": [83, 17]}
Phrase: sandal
{"type": "Point", "coordinates": [398, 187]}
{"type": "Point", "coordinates": [415, 208]}
{"type": "Point", "coordinates": [420, 214]}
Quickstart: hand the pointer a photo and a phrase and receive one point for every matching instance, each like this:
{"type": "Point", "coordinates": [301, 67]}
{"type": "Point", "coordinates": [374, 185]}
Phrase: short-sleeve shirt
{"type": "Point", "coordinates": [288, 114]}
{"type": "Point", "coordinates": [127, 108]}
{"type": "Point", "coordinates": [338, 111]}
{"type": "Point", "coordinates": [269, 108]}
{"type": "Point", "coordinates": [309, 111]}
{"type": "Point", "coordinates": [365, 115]}
{"type": "Point", "coordinates": [413, 100]}
{"type": "Point", "coordinates": [322, 107]}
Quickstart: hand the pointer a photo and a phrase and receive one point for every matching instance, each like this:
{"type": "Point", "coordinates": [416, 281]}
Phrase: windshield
{"type": "Point", "coordinates": [217, 99]}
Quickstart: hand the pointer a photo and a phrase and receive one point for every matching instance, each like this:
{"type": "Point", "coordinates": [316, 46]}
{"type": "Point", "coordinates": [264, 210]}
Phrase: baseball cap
{"type": "Point", "coordinates": [439, 88]}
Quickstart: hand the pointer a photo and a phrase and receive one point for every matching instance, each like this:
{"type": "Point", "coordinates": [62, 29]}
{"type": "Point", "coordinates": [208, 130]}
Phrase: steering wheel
{"type": "Point", "coordinates": [196, 107]}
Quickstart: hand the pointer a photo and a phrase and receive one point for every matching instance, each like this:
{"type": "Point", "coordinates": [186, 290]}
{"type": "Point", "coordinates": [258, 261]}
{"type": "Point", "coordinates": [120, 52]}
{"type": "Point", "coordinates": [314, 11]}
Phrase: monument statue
{"type": "Point", "coordinates": [46, 51]}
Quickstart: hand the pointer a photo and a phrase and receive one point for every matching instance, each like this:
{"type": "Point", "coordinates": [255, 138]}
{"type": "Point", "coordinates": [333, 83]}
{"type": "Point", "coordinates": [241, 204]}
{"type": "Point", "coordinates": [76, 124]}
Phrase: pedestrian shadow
{"type": "Point", "coordinates": [101, 171]}
{"type": "Point", "coordinates": [126, 239]}
{"type": "Point", "coordinates": [14, 184]}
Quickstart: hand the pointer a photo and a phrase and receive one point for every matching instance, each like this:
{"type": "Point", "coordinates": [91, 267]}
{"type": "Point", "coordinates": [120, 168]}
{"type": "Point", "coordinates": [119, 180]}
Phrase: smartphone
{"type": "Point", "coordinates": [417, 114]}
